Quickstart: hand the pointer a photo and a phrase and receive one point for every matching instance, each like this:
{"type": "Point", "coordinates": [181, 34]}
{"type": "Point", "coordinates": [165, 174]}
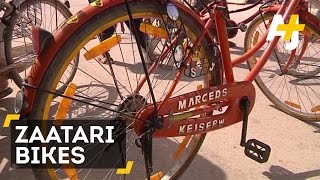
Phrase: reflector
{"type": "Point", "coordinates": [40, 39]}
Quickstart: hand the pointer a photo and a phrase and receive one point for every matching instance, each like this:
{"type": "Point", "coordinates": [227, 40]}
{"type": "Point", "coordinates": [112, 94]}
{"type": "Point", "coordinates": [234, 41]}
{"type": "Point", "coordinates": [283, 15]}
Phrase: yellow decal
{"type": "Point", "coordinates": [97, 3]}
{"type": "Point", "coordinates": [73, 19]}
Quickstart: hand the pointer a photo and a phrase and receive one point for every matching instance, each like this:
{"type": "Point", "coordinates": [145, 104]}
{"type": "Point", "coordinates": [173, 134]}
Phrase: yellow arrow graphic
{"type": "Point", "coordinates": [9, 118]}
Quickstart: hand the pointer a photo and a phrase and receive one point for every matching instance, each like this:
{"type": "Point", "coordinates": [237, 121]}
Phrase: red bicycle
{"type": "Point", "coordinates": [167, 106]}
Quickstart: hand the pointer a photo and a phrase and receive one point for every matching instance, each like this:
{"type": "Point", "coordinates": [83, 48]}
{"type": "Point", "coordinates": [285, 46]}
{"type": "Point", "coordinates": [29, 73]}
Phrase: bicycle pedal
{"type": "Point", "coordinates": [257, 150]}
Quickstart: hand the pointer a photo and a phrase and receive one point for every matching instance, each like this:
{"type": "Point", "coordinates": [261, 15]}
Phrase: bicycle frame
{"type": "Point", "coordinates": [272, 8]}
{"type": "Point", "coordinates": [232, 115]}
{"type": "Point", "coordinates": [234, 26]}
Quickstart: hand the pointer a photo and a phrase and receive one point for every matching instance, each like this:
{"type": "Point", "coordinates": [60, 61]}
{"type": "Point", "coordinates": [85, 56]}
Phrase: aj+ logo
{"type": "Point", "coordinates": [289, 32]}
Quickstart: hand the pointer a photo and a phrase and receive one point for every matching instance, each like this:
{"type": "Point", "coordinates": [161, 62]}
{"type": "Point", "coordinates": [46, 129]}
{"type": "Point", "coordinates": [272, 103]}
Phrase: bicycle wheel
{"type": "Point", "coordinates": [114, 86]}
{"type": "Point", "coordinates": [295, 91]}
{"type": "Point", "coordinates": [47, 14]}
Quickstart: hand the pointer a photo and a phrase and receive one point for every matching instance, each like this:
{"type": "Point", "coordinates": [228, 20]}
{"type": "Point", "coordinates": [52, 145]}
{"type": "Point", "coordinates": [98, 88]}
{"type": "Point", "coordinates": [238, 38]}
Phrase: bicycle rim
{"type": "Point", "coordinates": [96, 82]}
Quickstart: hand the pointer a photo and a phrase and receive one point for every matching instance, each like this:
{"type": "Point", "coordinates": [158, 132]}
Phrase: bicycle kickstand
{"type": "Point", "coordinates": [145, 143]}
{"type": "Point", "coordinates": [253, 148]}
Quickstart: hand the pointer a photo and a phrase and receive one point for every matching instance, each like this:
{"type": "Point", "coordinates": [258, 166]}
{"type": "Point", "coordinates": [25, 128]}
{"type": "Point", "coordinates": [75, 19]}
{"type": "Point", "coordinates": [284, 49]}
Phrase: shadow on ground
{"type": "Point", "coordinates": [279, 173]}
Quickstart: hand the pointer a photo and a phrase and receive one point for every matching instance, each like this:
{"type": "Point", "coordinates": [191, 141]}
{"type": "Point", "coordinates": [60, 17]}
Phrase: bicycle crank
{"type": "Point", "coordinates": [253, 148]}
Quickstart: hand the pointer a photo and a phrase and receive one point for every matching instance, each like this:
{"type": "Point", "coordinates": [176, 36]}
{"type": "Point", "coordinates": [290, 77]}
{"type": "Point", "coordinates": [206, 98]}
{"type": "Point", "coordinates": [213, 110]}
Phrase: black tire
{"type": "Point", "coordinates": [286, 106]}
{"type": "Point", "coordinates": [90, 30]}
{"type": "Point", "coordinates": [13, 27]}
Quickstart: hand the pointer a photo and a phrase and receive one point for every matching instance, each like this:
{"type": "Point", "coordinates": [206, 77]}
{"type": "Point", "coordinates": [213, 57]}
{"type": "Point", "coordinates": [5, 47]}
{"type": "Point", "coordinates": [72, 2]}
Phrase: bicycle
{"type": "Point", "coordinates": [300, 65]}
{"type": "Point", "coordinates": [162, 109]}
{"type": "Point", "coordinates": [16, 24]}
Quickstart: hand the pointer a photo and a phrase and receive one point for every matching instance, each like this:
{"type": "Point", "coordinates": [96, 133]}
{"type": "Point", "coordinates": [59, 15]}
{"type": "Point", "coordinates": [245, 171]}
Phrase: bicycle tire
{"type": "Point", "coordinates": [23, 8]}
{"type": "Point", "coordinates": [284, 106]}
{"type": "Point", "coordinates": [92, 28]}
